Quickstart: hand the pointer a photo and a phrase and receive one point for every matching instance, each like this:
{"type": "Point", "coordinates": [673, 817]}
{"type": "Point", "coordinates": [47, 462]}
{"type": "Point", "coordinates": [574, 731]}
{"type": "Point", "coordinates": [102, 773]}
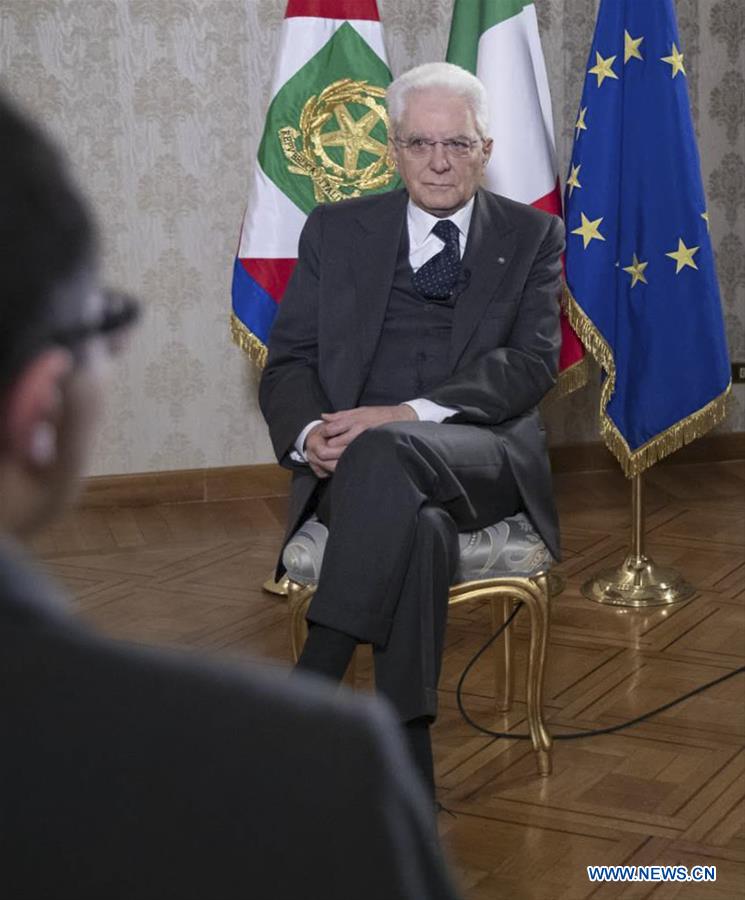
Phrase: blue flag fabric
{"type": "Point", "coordinates": [641, 279]}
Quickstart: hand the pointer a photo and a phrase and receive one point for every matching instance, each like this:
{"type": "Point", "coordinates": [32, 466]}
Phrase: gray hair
{"type": "Point", "coordinates": [445, 76]}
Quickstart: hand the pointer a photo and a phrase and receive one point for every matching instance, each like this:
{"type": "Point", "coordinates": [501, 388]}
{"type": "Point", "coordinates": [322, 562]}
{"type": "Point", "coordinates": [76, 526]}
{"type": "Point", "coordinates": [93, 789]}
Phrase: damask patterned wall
{"type": "Point", "coordinates": [160, 103]}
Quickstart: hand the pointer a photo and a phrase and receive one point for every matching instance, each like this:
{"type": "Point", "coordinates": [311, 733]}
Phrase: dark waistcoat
{"type": "Point", "coordinates": [412, 353]}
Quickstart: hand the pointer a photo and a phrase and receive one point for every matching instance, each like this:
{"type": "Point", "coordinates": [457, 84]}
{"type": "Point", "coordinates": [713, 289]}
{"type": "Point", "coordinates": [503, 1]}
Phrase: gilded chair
{"type": "Point", "coordinates": [502, 564]}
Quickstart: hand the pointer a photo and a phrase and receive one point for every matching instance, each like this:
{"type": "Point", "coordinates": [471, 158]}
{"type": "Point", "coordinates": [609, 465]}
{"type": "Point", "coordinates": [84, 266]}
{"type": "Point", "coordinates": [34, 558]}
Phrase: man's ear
{"type": "Point", "coordinates": [487, 147]}
{"type": "Point", "coordinates": [393, 151]}
{"type": "Point", "coordinates": [34, 407]}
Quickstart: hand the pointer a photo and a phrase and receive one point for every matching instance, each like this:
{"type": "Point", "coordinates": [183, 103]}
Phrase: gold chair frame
{"type": "Point", "coordinates": [501, 593]}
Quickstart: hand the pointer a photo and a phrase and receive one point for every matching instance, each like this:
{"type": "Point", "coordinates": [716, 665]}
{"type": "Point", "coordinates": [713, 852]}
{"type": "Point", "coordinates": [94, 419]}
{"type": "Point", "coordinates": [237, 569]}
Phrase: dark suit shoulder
{"type": "Point", "coordinates": [52, 659]}
{"type": "Point", "coordinates": [118, 761]}
{"type": "Point", "coordinates": [91, 671]}
{"type": "Point", "coordinates": [251, 781]}
{"type": "Point", "coordinates": [519, 215]}
{"type": "Point", "coordinates": [361, 207]}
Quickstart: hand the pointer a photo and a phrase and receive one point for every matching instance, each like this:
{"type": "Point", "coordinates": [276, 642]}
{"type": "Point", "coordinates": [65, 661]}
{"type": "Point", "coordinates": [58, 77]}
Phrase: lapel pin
{"type": "Point", "coordinates": [500, 259]}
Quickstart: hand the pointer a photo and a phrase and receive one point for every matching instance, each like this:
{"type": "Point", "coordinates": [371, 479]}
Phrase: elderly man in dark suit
{"type": "Point", "coordinates": [417, 335]}
{"type": "Point", "coordinates": [126, 773]}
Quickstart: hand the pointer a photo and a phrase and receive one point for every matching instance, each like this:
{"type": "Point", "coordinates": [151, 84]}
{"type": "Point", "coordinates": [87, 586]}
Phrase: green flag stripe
{"type": "Point", "coordinates": [471, 18]}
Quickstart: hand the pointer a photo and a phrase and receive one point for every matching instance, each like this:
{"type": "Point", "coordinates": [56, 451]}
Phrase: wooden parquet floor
{"type": "Point", "coordinates": [668, 791]}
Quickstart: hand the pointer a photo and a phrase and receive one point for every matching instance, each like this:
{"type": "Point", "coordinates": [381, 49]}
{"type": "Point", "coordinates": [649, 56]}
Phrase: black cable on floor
{"type": "Point", "coordinates": [577, 734]}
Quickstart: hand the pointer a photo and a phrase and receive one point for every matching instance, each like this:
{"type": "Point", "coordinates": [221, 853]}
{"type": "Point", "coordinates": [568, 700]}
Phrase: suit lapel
{"type": "Point", "coordinates": [375, 252]}
{"type": "Point", "coordinates": [489, 250]}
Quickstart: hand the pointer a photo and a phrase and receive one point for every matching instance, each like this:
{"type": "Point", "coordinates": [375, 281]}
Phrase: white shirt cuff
{"type": "Point", "coordinates": [298, 454]}
{"type": "Point", "coordinates": [427, 411]}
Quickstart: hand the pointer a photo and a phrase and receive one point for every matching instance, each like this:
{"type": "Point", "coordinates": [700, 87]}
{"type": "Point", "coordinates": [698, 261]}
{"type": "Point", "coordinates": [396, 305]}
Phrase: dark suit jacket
{"type": "Point", "coordinates": [505, 337]}
{"type": "Point", "coordinates": [130, 774]}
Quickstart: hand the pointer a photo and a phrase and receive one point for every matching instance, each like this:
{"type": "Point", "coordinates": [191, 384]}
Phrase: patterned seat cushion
{"type": "Point", "coordinates": [511, 547]}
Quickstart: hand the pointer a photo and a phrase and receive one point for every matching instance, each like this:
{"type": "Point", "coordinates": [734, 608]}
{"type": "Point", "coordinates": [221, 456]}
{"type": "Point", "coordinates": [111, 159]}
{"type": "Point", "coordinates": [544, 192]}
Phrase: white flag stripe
{"type": "Point", "coordinates": [273, 222]}
{"type": "Point", "coordinates": [510, 63]}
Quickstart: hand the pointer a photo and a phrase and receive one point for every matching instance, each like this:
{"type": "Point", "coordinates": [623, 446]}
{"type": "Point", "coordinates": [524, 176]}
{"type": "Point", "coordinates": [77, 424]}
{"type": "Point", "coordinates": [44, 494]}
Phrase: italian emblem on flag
{"type": "Point", "coordinates": [325, 139]}
{"type": "Point", "coordinates": [498, 41]}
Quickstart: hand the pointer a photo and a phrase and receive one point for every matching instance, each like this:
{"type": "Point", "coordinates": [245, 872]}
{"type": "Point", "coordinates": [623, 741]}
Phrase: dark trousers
{"type": "Point", "coordinates": [400, 495]}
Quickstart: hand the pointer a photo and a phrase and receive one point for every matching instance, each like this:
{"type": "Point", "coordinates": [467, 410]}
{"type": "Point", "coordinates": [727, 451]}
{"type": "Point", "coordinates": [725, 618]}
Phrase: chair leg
{"type": "Point", "coordinates": [350, 677]}
{"type": "Point", "coordinates": [298, 599]}
{"type": "Point", "coordinates": [538, 601]}
{"type": "Point", "coordinates": [503, 655]}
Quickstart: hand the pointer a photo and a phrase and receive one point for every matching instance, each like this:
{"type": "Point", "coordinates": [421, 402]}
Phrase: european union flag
{"type": "Point", "coordinates": [641, 277]}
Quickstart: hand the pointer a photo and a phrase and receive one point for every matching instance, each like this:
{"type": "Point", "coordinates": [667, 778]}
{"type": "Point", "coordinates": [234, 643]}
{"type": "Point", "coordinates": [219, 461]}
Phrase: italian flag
{"type": "Point", "coordinates": [325, 138]}
{"type": "Point", "coordinates": [498, 41]}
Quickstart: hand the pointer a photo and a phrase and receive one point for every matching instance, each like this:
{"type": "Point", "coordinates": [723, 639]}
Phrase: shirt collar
{"type": "Point", "coordinates": [421, 223]}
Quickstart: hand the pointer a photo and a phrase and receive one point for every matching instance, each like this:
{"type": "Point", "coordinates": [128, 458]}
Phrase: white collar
{"type": "Point", "coordinates": [421, 223]}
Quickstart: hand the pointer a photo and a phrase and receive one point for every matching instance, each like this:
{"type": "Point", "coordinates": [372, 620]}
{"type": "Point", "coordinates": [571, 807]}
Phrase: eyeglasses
{"type": "Point", "coordinates": [456, 148]}
{"type": "Point", "coordinates": [120, 312]}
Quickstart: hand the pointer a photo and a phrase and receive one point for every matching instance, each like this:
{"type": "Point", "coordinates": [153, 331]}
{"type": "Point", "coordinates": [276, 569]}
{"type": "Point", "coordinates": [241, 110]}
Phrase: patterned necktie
{"type": "Point", "coordinates": [436, 279]}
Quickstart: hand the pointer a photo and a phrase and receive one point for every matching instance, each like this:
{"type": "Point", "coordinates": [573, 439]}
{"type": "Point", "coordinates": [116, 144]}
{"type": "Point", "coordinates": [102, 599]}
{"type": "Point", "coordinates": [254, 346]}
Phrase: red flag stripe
{"type": "Point", "coordinates": [551, 202]}
{"type": "Point", "coordinates": [572, 350]}
{"type": "Point", "coordinates": [333, 9]}
{"type": "Point", "coordinates": [271, 274]}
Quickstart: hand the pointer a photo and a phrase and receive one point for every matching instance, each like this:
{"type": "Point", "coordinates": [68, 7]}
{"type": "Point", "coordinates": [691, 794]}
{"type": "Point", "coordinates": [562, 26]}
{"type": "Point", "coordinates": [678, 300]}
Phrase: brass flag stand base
{"type": "Point", "coordinates": [638, 581]}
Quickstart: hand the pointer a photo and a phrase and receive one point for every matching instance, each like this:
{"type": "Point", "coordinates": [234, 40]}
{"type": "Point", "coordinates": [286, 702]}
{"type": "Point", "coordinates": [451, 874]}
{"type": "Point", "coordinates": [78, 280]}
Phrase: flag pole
{"type": "Point", "coordinates": [638, 581]}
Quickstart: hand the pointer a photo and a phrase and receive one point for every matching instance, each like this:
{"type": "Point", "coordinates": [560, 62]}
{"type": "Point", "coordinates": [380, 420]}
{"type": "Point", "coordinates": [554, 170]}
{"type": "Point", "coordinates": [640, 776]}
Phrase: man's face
{"type": "Point", "coordinates": [438, 182]}
{"type": "Point", "coordinates": [60, 394]}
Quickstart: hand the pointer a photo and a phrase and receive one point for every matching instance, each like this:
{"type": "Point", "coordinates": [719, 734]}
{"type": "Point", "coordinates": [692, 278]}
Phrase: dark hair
{"type": "Point", "coordinates": [47, 237]}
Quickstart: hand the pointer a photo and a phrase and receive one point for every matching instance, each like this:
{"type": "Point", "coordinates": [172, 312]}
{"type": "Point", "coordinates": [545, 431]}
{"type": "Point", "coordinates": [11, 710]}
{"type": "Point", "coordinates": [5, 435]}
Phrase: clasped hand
{"type": "Point", "coordinates": [327, 441]}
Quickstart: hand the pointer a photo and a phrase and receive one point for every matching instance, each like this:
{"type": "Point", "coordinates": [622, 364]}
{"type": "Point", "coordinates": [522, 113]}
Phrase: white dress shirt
{"type": "Point", "coordinates": [423, 245]}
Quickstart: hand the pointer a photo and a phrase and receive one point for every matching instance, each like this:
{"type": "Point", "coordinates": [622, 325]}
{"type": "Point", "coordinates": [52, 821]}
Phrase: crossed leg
{"type": "Point", "coordinates": [400, 495]}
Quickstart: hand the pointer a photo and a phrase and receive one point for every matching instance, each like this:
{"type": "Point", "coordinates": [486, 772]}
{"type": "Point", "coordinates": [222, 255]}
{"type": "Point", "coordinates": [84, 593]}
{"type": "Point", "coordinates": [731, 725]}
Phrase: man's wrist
{"type": "Point", "coordinates": [409, 414]}
{"type": "Point", "coordinates": [298, 454]}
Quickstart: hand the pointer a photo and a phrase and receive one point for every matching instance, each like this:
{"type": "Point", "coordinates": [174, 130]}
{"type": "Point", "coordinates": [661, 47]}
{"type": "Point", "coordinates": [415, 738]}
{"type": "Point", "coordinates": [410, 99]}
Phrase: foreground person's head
{"type": "Point", "coordinates": [57, 328]}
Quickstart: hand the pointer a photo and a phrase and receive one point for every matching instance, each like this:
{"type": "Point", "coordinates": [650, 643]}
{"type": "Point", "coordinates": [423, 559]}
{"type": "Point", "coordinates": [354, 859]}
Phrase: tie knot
{"type": "Point", "coordinates": [447, 231]}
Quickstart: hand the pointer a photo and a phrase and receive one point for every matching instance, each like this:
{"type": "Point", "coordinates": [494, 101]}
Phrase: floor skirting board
{"type": "Point", "coordinates": [269, 480]}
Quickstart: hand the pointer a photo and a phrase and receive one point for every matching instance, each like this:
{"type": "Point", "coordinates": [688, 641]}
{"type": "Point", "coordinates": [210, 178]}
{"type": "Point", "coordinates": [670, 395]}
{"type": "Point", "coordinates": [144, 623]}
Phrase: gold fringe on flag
{"type": "Point", "coordinates": [574, 377]}
{"type": "Point", "coordinates": [634, 462]}
{"type": "Point", "coordinates": [248, 342]}
{"type": "Point", "coordinates": [570, 379]}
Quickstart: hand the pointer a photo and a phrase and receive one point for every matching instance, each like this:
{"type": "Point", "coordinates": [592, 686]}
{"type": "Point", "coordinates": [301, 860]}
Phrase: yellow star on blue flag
{"type": "Point", "coordinates": [603, 68]}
